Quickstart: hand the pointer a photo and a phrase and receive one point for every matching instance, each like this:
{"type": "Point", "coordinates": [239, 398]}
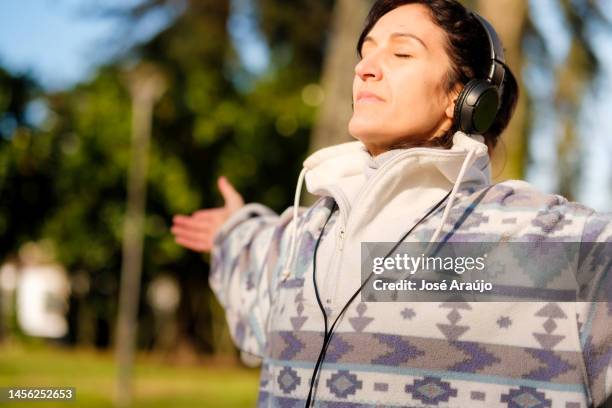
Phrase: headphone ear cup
{"type": "Point", "coordinates": [462, 115]}
{"type": "Point", "coordinates": [476, 107]}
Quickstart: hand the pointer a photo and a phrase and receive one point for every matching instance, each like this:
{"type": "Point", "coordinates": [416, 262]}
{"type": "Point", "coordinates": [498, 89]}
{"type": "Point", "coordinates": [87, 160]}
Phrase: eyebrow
{"type": "Point", "coordinates": [397, 35]}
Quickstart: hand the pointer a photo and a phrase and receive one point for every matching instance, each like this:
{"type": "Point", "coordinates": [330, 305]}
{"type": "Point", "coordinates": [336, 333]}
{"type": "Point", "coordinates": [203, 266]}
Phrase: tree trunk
{"type": "Point", "coordinates": [509, 18]}
{"type": "Point", "coordinates": [146, 86]}
{"type": "Point", "coordinates": [337, 77]}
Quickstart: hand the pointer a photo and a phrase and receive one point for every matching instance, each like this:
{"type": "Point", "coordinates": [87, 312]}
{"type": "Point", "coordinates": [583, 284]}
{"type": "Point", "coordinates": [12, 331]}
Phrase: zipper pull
{"type": "Point", "coordinates": [341, 239]}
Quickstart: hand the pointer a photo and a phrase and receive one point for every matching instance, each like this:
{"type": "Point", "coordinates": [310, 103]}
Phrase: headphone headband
{"type": "Point", "coordinates": [497, 72]}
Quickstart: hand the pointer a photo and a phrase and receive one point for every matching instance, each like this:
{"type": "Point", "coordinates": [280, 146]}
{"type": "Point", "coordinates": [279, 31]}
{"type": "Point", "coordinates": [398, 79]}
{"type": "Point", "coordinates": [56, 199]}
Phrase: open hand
{"type": "Point", "coordinates": [197, 231]}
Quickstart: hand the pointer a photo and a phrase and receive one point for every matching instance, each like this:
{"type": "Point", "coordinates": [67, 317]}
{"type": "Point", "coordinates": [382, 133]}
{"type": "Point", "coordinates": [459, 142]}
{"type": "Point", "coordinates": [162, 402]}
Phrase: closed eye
{"type": "Point", "coordinates": [403, 55]}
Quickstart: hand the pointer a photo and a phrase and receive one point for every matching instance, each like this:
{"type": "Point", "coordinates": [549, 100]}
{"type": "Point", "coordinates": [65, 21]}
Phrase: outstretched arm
{"type": "Point", "coordinates": [246, 242]}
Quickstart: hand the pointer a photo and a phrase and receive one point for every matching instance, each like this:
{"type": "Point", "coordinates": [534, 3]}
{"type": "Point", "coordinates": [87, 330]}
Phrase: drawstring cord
{"type": "Point", "coordinates": [294, 229]}
{"type": "Point", "coordinates": [451, 198]}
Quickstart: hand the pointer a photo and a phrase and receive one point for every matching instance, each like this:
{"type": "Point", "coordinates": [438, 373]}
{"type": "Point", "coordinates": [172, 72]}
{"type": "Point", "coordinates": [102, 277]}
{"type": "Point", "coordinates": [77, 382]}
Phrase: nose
{"type": "Point", "coordinates": [369, 68]}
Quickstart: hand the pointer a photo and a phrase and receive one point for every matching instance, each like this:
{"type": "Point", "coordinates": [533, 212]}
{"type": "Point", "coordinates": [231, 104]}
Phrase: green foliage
{"type": "Point", "coordinates": [23, 182]}
{"type": "Point", "coordinates": [65, 180]}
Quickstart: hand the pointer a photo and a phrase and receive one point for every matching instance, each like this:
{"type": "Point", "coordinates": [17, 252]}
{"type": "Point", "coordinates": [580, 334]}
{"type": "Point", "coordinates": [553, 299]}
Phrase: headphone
{"type": "Point", "coordinates": [479, 101]}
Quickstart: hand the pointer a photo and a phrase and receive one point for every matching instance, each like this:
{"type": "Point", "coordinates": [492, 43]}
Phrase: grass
{"type": "Point", "coordinates": [155, 384]}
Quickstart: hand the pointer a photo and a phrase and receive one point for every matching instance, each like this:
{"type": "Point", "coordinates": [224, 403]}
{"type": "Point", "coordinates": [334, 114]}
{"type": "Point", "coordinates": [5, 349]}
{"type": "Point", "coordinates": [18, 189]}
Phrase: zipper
{"type": "Point", "coordinates": [343, 202]}
{"type": "Point", "coordinates": [330, 282]}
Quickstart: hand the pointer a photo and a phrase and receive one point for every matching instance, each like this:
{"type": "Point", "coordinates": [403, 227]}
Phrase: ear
{"type": "Point", "coordinates": [452, 101]}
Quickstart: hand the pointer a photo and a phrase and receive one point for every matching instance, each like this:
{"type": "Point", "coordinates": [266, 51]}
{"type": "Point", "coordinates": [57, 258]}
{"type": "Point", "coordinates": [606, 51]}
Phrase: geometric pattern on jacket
{"type": "Point", "coordinates": [502, 354]}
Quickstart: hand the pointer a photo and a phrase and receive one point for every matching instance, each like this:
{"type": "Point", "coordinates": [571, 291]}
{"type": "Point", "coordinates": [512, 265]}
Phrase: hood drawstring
{"type": "Point", "coordinates": [451, 198]}
{"type": "Point", "coordinates": [294, 229]}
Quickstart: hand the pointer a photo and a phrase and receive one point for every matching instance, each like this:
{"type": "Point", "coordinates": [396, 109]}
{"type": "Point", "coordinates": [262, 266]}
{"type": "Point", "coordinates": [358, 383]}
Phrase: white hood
{"type": "Point", "coordinates": [400, 191]}
{"type": "Point", "coordinates": [331, 165]}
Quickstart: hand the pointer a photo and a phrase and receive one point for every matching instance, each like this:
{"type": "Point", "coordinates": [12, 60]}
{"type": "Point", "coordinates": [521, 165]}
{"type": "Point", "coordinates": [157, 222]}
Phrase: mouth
{"type": "Point", "coordinates": [368, 97]}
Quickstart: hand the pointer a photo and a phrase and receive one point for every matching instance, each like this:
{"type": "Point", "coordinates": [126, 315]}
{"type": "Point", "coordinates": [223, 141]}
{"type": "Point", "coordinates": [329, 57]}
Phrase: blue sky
{"type": "Point", "coordinates": [50, 40]}
{"type": "Point", "coordinates": [62, 41]}
{"type": "Point", "coordinates": [59, 43]}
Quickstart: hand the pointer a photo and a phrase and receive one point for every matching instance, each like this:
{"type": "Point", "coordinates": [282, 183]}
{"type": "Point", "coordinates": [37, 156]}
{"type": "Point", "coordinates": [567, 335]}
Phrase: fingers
{"type": "Point", "coordinates": [194, 245]}
{"type": "Point", "coordinates": [189, 233]}
{"type": "Point", "coordinates": [233, 199]}
{"type": "Point", "coordinates": [209, 214]}
{"type": "Point", "coordinates": [193, 223]}
{"type": "Point", "coordinates": [194, 233]}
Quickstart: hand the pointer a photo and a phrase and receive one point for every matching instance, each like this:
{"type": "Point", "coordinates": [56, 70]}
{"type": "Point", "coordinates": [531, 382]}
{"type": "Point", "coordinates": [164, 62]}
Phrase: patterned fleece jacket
{"type": "Point", "coordinates": [412, 354]}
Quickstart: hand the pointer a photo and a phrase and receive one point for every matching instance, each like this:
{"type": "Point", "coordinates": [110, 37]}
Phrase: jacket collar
{"type": "Point", "coordinates": [342, 166]}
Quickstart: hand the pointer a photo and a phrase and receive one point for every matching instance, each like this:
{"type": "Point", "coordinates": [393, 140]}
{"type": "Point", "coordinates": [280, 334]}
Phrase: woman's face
{"type": "Point", "coordinates": [399, 93]}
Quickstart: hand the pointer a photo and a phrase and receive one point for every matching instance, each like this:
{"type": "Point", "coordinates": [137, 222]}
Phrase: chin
{"type": "Point", "coordinates": [361, 127]}
{"type": "Point", "coordinates": [367, 132]}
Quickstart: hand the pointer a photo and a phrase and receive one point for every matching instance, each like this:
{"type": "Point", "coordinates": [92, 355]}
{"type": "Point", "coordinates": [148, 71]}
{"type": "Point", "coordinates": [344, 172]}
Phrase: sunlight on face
{"type": "Point", "coordinates": [398, 89]}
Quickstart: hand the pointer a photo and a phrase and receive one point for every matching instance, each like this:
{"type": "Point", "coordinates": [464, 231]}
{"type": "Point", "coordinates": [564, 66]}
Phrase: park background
{"type": "Point", "coordinates": [91, 90]}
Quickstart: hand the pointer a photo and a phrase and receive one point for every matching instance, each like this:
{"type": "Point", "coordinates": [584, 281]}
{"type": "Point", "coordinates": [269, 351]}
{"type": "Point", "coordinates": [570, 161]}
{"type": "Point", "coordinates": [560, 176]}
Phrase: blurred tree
{"type": "Point", "coordinates": [511, 21]}
{"type": "Point", "coordinates": [146, 85]}
{"type": "Point", "coordinates": [576, 77]}
{"type": "Point", "coordinates": [91, 135]}
{"type": "Point", "coordinates": [209, 124]}
{"type": "Point", "coordinates": [23, 179]}
{"type": "Point", "coordinates": [337, 77]}
{"type": "Point", "coordinates": [514, 24]}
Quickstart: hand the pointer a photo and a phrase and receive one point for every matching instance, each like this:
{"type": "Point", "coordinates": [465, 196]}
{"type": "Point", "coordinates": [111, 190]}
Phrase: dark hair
{"type": "Point", "coordinates": [468, 50]}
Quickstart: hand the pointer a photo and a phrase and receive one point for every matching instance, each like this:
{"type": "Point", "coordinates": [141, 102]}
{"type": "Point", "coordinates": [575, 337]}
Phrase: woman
{"type": "Point", "coordinates": [290, 283]}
